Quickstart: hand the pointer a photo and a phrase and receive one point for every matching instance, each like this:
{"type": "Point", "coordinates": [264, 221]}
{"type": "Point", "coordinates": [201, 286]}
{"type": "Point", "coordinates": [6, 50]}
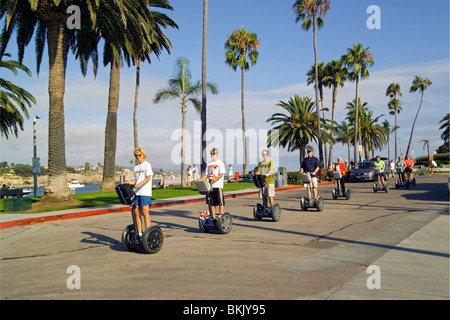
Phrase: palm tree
{"type": "Point", "coordinates": [307, 10]}
{"type": "Point", "coordinates": [418, 84]}
{"type": "Point", "coordinates": [336, 74]}
{"type": "Point", "coordinates": [204, 84]}
{"type": "Point", "coordinates": [240, 45]}
{"type": "Point", "coordinates": [296, 129]}
{"type": "Point", "coordinates": [394, 106]}
{"type": "Point", "coordinates": [12, 99]}
{"type": "Point", "coordinates": [445, 125]}
{"type": "Point", "coordinates": [345, 134]}
{"type": "Point", "coordinates": [322, 74]}
{"type": "Point", "coordinates": [358, 59]}
{"type": "Point", "coordinates": [159, 42]}
{"type": "Point", "coordinates": [373, 135]}
{"type": "Point", "coordinates": [47, 19]}
{"type": "Point", "coordinates": [426, 143]}
{"type": "Point", "coordinates": [181, 88]}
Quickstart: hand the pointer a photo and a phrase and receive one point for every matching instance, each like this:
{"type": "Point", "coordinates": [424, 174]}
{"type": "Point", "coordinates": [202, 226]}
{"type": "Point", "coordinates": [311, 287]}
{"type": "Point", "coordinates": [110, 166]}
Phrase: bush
{"type": "Point", "coordinates": [294, 178]}
{"type": "Point", "coordinates": [440, 158]}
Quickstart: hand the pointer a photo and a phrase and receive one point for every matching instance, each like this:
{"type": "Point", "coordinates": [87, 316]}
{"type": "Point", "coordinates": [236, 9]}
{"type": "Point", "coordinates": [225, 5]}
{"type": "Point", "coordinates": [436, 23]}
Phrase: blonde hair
{"type": "Point", "coordinates": [141, 151]}
{"type": "Point", "coordinates": [215, 151]}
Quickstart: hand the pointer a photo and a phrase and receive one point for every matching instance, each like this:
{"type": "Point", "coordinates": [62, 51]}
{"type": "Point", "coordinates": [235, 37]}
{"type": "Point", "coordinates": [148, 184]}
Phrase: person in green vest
{"type": "Point", "coordinates": [267, 168]}
{"type": "Point", "coordinates": [380, 164]}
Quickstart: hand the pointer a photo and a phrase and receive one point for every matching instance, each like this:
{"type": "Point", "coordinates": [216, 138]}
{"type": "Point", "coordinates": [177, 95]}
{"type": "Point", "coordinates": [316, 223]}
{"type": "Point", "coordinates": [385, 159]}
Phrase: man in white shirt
{"type": "Point", "coordinates": [142, 181]}
{"type": "Point", "coordinates": [215, 173]}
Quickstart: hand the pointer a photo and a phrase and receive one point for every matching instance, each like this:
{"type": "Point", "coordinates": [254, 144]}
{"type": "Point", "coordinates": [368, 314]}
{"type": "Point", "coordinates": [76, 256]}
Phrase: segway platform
{"type": "Point", "coordinates": [206, 223]}
{"type": "Point", "coordinates": [152, 238]}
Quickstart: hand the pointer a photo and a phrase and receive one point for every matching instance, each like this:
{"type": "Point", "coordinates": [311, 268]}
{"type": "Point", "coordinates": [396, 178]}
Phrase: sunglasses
{"type": "Point", "coordinates": [138, 155]}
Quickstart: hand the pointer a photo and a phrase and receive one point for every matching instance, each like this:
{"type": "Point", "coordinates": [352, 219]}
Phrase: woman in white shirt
{"type": "Point", "coordinates": [142, 180]}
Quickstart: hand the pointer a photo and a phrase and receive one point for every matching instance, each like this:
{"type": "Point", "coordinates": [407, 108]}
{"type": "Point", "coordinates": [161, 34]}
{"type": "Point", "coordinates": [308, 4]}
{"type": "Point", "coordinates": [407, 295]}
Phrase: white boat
{"type": "Point", "coordinates": [73, 184]}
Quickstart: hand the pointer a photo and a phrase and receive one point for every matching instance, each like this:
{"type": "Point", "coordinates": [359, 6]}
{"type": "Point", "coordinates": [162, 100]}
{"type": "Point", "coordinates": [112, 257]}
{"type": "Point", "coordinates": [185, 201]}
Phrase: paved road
{"type": "Point", "coordinates": [306, 255]}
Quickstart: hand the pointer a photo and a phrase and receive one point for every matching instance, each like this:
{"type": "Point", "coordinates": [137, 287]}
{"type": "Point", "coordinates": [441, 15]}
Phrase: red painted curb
{"type": "Point", "coordinates": [22, 222]}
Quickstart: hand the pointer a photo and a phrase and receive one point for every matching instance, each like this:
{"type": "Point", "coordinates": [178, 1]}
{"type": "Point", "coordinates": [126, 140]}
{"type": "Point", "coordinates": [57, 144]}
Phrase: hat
{"type": "Point", "coordinates": [309, 150]}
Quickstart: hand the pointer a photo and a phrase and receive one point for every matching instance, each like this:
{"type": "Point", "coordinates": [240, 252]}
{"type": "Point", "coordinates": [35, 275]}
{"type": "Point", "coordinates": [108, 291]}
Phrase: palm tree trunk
{"type": "Point", "coordinates": [356, 142]}
{"type": "Point", "coordinates": [109, 166]}
{"type": "Point", "coordinates": [136, 98]}
{"type": "Point", "coordinates": [57, 189]}
{"type": "Point", "coordinates": [414, 124]}
{"type": "Point", "coordinates": [204, 86]}
{"type": "Point", "coordinates": [183, 143]}
{"type": "Point", "coordinates": [396, 154]}
{"type": "Point", "coordinates": [319, 136]}
{"type": "Point", "coordinates": [330, 159]}
{"type": "Point", "coordinates": [244, 138]}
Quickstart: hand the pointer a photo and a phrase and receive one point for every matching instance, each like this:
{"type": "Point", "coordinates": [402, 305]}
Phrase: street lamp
{"type": "Point", "coordinates": [36, 164]}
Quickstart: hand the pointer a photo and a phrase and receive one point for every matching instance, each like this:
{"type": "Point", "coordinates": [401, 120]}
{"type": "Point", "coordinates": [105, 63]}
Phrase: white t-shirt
{"type": "Point", "coordinates": [140, 172]}
{"type": "Point", "coordinates": [215, 168]}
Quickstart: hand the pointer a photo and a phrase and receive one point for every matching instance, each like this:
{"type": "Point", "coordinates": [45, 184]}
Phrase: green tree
{"type": "Point", "coordinates": [13, 99]}
{"type": "Point", "coordinates": [373, 135]}
{"type": "Point", "coordinates": [394, 106]}
{"type": "Point", "coordinates": [445, 125]}
{"type": "Point", "coordinates": [419, 84]}
{"type": "Point", "coordinates": [345, 135]}
{"type": "Point", "coordinates": [357, 59]}
{"type": "Point", "coordinates": [312, 11]}
{"type": "Point", "coordinates": [47, 19]}
{"type": "Point", "coordinates": [297, 127]}
{"type": "Point", "coordinates": [183, 89]}
{"type": "Point", "coordinates": [239, 46]}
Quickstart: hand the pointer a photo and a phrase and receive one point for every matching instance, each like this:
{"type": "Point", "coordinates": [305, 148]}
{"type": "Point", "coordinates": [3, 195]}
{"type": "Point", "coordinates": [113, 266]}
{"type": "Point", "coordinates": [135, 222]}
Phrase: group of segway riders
{"type": "Point", "coordinates": [138, 192]}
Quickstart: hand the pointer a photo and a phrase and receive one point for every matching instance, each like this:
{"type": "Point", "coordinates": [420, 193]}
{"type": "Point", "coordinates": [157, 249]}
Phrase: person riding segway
{"type": "Point", "coordinates": [339, 175]}
{"type": "Point", "coordinates": [308, 173]}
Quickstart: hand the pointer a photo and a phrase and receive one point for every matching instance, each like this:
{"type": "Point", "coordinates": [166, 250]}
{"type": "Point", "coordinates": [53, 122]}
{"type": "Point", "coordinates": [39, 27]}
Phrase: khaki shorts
{"type": "Point", "coordinates": [314, 182]}
{"type": "Point", "coordinates": [269, 189]}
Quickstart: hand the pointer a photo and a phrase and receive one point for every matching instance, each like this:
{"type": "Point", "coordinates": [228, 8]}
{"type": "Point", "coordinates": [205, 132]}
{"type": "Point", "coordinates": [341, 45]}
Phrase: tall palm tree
{"type": "Point", "coordinates": [13, 99]}
{"type": "Point", "coordinates": [357, 59]}
{"type": "Point", "coordinates": [312, 11]}
{"type": "Point", "coordinates": [445, 125]}
{"type": "Point", "coordinates": [204, 85]}
{"type": "Point", "coordinates": [420, 84]}
{"type": "Point", "coordinates": [394, 106]}
{"type": "Point", "coordinates": [322, 74]}
{"type": "Point", "coordinates": [181, 88]}
{"type": "Point", "coordinates": [336, 74]}
{"type": "Point", "coordinates": [47, 19]}
{"type": "Point", "coordinates": [241, 45]}
{"type": "Point", "coordinates": [298, 127]}
{"type": "Point", "coordinates": [426, 144]}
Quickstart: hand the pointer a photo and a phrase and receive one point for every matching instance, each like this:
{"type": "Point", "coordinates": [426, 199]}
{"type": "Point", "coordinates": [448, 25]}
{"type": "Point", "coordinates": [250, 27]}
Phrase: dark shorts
{"type": "Point", "coordinates": [217, 198]}
{"type": "Point", "coordinates": [408, 170]}
{"type": "Point", "coordinates": [142, 201]}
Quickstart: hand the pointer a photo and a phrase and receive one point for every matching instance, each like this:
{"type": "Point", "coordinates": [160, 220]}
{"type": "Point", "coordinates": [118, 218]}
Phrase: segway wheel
{"type": "Point", "coordinates": [224, 223]}
{"type": "Point", "coordinates": [347, 193]}
{"type": "Point", "coordinates": [375, 187]}
{"type": "Point", "coordinates": [319, 204]}
{"type": "Point", "coordinates": [152, 239]}
{"type": "Point", "coordinates": [257, 210]}
{"type": "Point", "coordinates": [303, 204]}
{"type": "Point", "coordinates": [333, 194]}
{"type": "Point", "coordinates": [386, 188]}
{"type": "Point", "coordinates": [414, 182]}
{"type": "Point", "coordinates": [276, 212]}
{"type": "Point", "coordinates": [397, 185]}
{"type": "Point", "coordinates": [407, 184]}
{"type": "Point", "coordinates": [127, 238]}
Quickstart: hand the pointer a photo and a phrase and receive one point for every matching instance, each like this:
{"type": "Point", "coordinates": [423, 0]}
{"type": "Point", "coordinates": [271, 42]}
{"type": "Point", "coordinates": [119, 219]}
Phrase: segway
{"type": "Point", "coordinates": [377, 185]}
{"type": "Point", "coordinates": [307, 202]}
{"type": "Point", "coordinates": [338, 192]}
{"type": "Point", "coordinates": [152, 238]}
{"type": "Point", "coordinates": [206, 223]}
{"type": "Point", "coordinates": [401, 182]}
{"type": "Point", "coordinates": [265, 210]}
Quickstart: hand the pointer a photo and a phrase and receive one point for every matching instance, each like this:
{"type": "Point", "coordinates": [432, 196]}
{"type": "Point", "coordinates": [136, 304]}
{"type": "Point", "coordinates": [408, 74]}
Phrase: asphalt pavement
{"type": "Point", "coordinates": [375, 246]}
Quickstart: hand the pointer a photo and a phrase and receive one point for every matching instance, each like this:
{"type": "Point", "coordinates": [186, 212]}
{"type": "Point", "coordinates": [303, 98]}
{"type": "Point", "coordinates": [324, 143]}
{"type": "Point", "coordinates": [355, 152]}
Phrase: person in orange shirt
{"type": "Point", "coordinates": [340, 166]}
{"type": "Point", "coordinates": [409, 163]}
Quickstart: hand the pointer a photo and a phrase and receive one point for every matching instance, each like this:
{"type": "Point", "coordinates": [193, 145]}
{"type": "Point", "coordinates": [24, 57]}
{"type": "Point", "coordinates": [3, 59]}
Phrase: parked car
{"type": "Point", "coordinates": [364, 172]}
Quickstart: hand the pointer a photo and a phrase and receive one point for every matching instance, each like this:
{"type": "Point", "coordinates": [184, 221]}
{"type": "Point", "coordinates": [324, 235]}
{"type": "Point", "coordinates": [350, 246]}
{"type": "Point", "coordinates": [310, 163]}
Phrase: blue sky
{"type": "Point", "coordinates": [413, 40]}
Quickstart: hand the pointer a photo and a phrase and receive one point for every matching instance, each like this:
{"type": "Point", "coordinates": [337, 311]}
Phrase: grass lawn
{"type": "Point", "coordinates": [94, 199]}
